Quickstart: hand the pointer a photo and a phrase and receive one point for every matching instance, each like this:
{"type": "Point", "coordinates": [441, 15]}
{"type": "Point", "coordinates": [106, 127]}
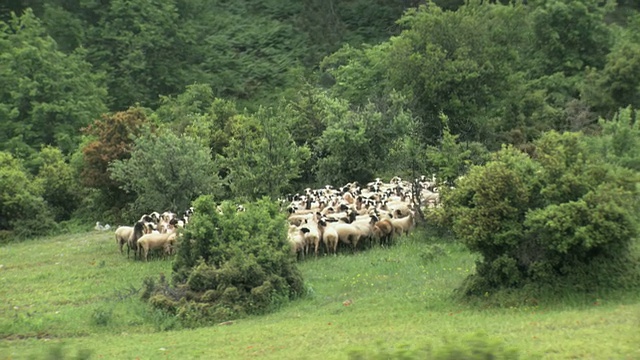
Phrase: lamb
{"type": "Point", "coordinates": [149, 242]}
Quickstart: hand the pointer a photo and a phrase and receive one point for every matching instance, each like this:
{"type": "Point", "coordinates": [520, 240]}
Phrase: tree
{"type": "Point", "coordinates": [262, 157]}
{"type": "Point", "coordinates": [60, 184]}
{"type": "Point", "coordinates": [46, 96]}
{"type": "Point", "coordinates": [22, 208]}
{"type": "Point", "coordinates": [617, 84]}
{"type": "Point", "coordinates": [619, 140]}
{"type": "Point", "coordinates": [562, 216]}
{"type": "Point", "coordinates": [570, 35]}
{"type": "Point", "coordinates": [114, 137]}
{"type": "Point", "coordinates": [355, 145]}
{"type": "Point", "coordinates": [166, 172]}
{"type": "Point", "coordinates": [442, 61]}
{"type": "Point", "coordinates": [109, 139]}
{"type": "Point", "coordinates": [451, 159]}
{"type": "Point", "coordinates": [199, 114]}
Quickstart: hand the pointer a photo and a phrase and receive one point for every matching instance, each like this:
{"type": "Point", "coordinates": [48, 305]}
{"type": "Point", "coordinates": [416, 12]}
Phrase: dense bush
{"type": "Point", "coordinates": [61, 187]}
{"type": "Point", "coordinates": [469, 347]}
{"type": "Point", "coordinates": [23, 211]}
{"type": "Point", "coordinates": [561, 215]}
{"type": "Point", "coordinates": [228, 265]}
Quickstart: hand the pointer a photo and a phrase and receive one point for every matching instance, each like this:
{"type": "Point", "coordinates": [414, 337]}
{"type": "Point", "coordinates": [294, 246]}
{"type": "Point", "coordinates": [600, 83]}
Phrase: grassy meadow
{"type": "Point", "coordinates": [76, 296]}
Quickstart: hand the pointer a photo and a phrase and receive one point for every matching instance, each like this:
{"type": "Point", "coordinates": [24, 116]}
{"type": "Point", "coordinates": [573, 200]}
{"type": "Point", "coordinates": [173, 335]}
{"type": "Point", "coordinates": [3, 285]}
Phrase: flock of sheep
{"type": "Point", "coordinates": [356, 216]}
{"type": "Point", "coordinates": [153, 231]}
{"type": "Point", "coordinates": [352, 215]}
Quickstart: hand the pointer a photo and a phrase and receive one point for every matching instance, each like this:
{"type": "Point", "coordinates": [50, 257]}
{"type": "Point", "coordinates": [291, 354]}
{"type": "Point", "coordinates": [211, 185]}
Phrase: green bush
{"type": "Point", "coordinates": [57, 352]}
{"type": "Point", "coordinates": [23, 211]}
{"type": "Point", "coordinates": [562, 214]}
{"type": "Point", "coordinates": [468, 347]}
{"type": "Point", "coordinates": [102, 316]}
{"type": "Point", "coordinates": [228, 265]}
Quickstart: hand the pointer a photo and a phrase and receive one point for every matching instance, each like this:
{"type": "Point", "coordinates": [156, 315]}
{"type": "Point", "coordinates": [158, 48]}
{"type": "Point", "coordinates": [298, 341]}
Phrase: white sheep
{"type": "Point", "coordinates": [123, 233]}
{"type": "Point", "coordinates": [150, 242]}
{"type": "Point", "coordinates": [403, 225]}
{"type": "Point", "coordinates": [329, 236]}
{"type": "Point", "coordinates": [295, 236]}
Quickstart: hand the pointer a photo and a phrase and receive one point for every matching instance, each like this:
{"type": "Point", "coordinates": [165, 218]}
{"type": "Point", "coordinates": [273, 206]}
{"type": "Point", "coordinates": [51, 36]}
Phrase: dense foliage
{"type": "Point", "coordinates": [563, 214]}
{"type": "Point", "coordinates": [166, 171]}
{"type": "Point", "coordinates": [46, 95]}
{"type": "Point", "coordinates": [229, 264]}
{"type": "Point", "coordinates": [112, 108]}
{"type": "Point", "coordinates": [22, 207]}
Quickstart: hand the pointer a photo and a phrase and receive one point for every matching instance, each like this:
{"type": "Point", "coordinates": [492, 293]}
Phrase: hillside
{"type": "Point", "coordinates": [76, 294]}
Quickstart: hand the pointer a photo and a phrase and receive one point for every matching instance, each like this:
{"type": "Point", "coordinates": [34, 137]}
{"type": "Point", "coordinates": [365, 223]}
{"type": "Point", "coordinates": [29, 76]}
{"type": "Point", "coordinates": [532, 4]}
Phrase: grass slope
{"type": "Point", "coordinates": [77, 292]}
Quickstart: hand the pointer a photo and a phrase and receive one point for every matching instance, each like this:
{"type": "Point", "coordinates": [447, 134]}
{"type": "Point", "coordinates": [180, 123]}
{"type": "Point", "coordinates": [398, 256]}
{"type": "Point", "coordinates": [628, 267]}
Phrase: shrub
{"type": "Point", "coordinates": [22, 208]}
{"type": "Point", "coordinates": [102, 316]}
{"type": "Point", "coordinates": [557, 215]}
{"type": "Point", "coordinates": [229, 264]}
{"type": "Point", "coordinates": [468, 347]}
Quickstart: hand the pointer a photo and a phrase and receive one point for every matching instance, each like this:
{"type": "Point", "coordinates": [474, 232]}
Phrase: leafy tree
{"type": "Point", "coordinates": [357, 74]}
{"type": "Point", "coordinates": [231, 264]}
{"type": "Point", "coordinates": [22, 208]}
{"type": "Point", "coordinates": [137, 46]}
{"type": "Point", "coordinates": [563, 215]}
{"type": "Point", "coordinates": [619, 140]}
{"type": "Point", "coordinates": [46, 96]}
{"type": "Point", "coordinates": [451, 159]}
{"type": "Point", "coordinates": [199, 114]}
{"type": "Point", "coordinates": [262, 157]}
{"type": "Point", "coordinates": [110, 138]}
{"type": "Point", "coordinates": [328, 24]}
{"type": "Point", "coordinates": [570, 35]}
{"type": "Point", "coordinates": [166, 172]}
{"type": "Point", "coordinates": [355, 145]}
{"type": "Point", "coordinates": [179, 111]}
{"type": "Point", "coordinates": [443, 61]}
{"type": "Point", "coordinates": [617, 85]}
{"type": "Point", "coordinates": [114, 137]}
{"type": "Point", "coordinates": [60, 184]}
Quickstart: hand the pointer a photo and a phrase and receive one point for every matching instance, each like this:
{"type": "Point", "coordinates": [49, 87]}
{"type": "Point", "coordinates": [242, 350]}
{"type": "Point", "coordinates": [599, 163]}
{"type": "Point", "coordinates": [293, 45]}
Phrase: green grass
{"type": "Point", "coordinates": [76, 294]}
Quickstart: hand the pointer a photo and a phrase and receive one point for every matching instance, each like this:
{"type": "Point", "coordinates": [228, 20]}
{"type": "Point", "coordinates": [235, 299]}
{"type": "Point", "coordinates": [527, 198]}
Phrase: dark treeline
{"type": "Point", "coordinates": [108, 106]}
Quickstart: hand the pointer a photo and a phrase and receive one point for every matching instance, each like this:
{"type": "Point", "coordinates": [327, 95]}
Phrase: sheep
{"type": "Point", "coordinates": [329, 236]}
{"type": "Point", "coordinates": [99, 227]}
{"type": "Point", "coordinates": [403, 225]}
{"type": "Point", "coordinates": [155, 241]}
{"type": "Point", "coordinates": [295, 236]}
{"type": "Point", "coordinates": [122, 235]}
{"type": "Point", "coordinates": [139, 229]}
{"type": "Point", "coordinates": [383, 231]}
{"type": "Point", "coordinates": [311, 235]}
{"type": "Point", "coordinates": [401, 209]}
{"type": "Point", "coordinates": [347, 233]}
{"type": "Point", "coordinates": [348, 214]}
{"type": "Point", "coordinates": [298, 219]}
{"type": "Point", "coordinates": [365, 228]}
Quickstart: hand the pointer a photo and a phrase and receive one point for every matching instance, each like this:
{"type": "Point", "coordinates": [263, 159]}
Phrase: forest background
{"type": "Point", "coordinates": [111, 109]}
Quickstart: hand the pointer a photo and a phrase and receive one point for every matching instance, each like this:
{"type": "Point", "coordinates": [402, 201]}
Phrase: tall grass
{"type": "Point", "coordinates": [79, 294]}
